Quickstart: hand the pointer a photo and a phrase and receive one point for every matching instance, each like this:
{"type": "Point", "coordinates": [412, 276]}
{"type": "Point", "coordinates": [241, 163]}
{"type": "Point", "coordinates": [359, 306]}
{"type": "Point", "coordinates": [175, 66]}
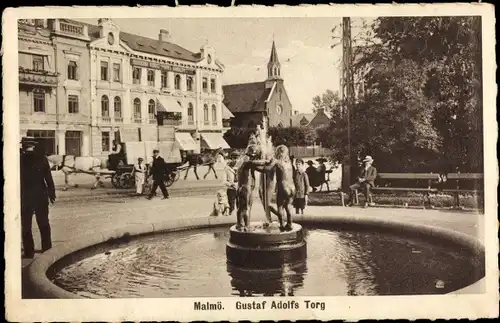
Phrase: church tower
{"type": "Point", "coordinates": [273, 67]}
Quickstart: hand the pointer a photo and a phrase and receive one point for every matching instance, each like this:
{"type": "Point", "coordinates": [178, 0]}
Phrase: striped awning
{"type": "Point", "coordinates": [168, 104]}
{"type": "Point", "coordinates": [214, 140]}
{"type": "Point", "coordinates": [186, 141]}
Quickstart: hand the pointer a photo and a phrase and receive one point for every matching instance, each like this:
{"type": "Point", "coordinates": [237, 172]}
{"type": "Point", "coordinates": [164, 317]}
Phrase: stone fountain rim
{"type": "Point", "coordinates": [44, 288]}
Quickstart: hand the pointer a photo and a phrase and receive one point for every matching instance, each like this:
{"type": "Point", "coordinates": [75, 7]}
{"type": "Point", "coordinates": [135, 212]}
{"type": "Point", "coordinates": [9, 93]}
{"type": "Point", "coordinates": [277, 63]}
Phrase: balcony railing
{"type": "Point", "coordinates": [34, 77]}
{"type": "Point", "coordinates": [169, 122]}
{"type": "Point", "coordinates": [70, 28]}
{"type": "Point", "coordinates": [152, 121]}
{"type": "Point", "coordinates": [104, 119]}
{"type": "Point", "coordinates": [118, 119]}
{"type": "Point", "coordinates": [137, 120]}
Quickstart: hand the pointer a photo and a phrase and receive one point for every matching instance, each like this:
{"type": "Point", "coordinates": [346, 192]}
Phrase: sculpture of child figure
{"type": "Point", "coordinates": [221, 205]}
{"type": "Point", "coordinates": [285, 188]}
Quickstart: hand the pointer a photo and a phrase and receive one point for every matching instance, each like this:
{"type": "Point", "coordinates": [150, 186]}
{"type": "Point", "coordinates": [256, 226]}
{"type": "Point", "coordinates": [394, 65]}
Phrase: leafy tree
{"type": "Point", "coordinates": [330, 101]}
{"type": "Point", "coordinates": [422, 106]}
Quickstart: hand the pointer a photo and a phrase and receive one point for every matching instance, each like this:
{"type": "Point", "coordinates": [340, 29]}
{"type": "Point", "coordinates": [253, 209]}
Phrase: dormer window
{"type": "Point", "coordinates": [152, 47]}
{"type": "Point", "coordinates": [178, 53]}
{"type": "Point", "coordinates": [139, 44]}
{"type": "Point", "coordinates": [166, 50]}
{"type": "Point", "coordinates": [209, 59]}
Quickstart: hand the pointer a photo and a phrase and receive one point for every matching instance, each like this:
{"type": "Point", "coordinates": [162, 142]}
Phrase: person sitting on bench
{"type": "Point", "coordinates": [366, 179]}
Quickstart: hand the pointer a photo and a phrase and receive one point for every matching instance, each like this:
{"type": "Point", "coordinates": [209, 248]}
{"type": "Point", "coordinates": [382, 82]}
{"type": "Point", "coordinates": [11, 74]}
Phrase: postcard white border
{"type": "Point", "coordinates": [181, 309]}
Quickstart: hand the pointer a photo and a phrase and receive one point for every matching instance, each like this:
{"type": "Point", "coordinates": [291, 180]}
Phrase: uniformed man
{"type": "Point", "coordinates": [37, 189]}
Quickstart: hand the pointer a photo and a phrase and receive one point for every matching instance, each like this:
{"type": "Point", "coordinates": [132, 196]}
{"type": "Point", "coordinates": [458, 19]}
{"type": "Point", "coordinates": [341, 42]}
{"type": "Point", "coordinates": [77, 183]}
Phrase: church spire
{"type": "Point", "coordinates": [273, 66]}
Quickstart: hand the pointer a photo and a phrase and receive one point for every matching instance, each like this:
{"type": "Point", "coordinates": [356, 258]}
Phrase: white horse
{"type": "Point", "coordinates": [69, 164]}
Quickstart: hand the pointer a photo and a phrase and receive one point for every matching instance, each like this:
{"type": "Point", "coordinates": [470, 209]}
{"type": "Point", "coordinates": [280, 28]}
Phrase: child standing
{"type": "Point", "coordinates": [302, 187]}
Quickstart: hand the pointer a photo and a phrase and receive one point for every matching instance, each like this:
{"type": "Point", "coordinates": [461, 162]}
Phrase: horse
{"type": "Point", "coordinates": [208, 158]}
{"type": "Point", "coordinates": [70, 164]}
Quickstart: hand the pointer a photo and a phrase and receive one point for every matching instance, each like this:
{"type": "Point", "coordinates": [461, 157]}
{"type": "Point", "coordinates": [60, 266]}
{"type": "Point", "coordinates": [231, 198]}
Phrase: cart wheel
{"type": "Point", "coordinates": [115, 180]}
{"type": "Point", "coordinates": [176, 175]}
{"type": "Point", "coordinates": [126, 180]}
{"type": "Point", "coordinates": [169, 180]}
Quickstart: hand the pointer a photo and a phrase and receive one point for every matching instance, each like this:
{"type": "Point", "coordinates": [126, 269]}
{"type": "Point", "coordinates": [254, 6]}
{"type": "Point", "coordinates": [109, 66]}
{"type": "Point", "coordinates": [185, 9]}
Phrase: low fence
{"type": "Point", "coordinates": [309, 151]}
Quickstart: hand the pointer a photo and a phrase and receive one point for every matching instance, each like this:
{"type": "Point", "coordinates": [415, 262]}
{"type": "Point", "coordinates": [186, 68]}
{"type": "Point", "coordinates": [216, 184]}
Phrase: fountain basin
{"type": "Point", "coordinates": [261, 247]}
{"type": "Point", "coordinates": [45, 265]}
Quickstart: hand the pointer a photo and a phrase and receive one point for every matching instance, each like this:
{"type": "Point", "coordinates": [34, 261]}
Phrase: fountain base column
{"type": "Point", "coordinates": [261, 247]}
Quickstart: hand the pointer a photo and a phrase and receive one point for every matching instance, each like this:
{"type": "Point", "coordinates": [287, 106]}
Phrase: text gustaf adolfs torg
{"type": "Point", "coordinates": [262, 305]}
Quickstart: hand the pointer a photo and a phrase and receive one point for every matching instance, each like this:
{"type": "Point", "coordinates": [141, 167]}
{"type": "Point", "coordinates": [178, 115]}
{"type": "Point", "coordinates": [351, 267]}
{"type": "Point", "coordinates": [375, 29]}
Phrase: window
{"type": "Point", "coordinates": [116, 72]}
{"type": "Point", "coordinates": [105, 141]}
{"type": "Point", "coordinates": [177, 82]}
{"type": "Point", "coordinates": [38, 63]}
{"type": "Point", "coordinates": [46, 138]}
{"type": "Point", "coordinates": [164, 78]}
{"type": "Point", "coordinates": [72, 71]}
{"type": "Point", "coordinates": [151, 77]}
{"type": "Point", "coordinates": [214, 114]}
{"type": "Point", "coordinates": [151, 109]}
{"type": "Point", "coordinates": [137, 109]}
{"type": "Point", "coordinates": [104, 71]}
{"type": "Point", "coordinates": [118, 107]}
{"type": "Point", "coordinates": [212, 85]}
{"type": "Point", "coordinates": [39, 23]}
{"type": "Point", "coordinates": [205, 114]}
{"type": "Point", "coordinates": [136, 75]}
{"type": "Point", "coordinates": [104, 106]}
{"type": "Point", "coordinates": [189, 83]}
{"type": "Point", "coordinates": [39, 101]}
{"type": "Point", "coordinates": [205, 84]}
{"type": "Point", "coordinates": [190, 113]}
{"type": "Point", "coordinates": [72, 104]}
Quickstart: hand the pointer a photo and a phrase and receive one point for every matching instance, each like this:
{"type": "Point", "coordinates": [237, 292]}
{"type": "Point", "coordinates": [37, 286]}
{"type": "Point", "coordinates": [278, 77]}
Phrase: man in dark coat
{"type": "Point", "coordinates": [37, 188]}
{"type": "Point", "coordinates": [158, 169]}
{"type": "Point", "coordinates": [366, 179]}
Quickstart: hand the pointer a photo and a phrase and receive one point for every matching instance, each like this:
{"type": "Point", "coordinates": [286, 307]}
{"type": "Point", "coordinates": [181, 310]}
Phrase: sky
{"type": "Point", "coordinates": [309, 66]}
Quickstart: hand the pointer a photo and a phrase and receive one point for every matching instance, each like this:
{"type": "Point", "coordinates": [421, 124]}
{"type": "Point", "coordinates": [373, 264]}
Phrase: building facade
{"type": "Point", "coordinates": [99, 84]}
{"type": "Point", "coordinates": [135, 79]}
{"type": "Point", "coordinates": [53, 85]}
{"type": "Point", "coordinates": [250, 103]}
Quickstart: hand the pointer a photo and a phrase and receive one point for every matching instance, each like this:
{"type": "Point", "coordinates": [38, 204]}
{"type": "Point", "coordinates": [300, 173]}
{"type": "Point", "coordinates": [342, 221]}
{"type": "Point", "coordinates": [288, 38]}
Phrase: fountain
{"type": "Point", "coordinates": [345, 254]}
{"type": "Point", "coordinates": [263, 245]}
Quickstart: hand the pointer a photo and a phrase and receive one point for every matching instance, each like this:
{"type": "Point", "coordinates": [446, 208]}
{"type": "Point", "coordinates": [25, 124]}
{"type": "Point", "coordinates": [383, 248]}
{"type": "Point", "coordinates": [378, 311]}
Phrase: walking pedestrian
{"type": "Point", "coordinates": [158, 170]}
{"type": "Point", "coordinates": [139, 173]}
{"type": "Point", "coordinates": [37, 189]}
{"type": "Point", "coordinates": [230, 182]}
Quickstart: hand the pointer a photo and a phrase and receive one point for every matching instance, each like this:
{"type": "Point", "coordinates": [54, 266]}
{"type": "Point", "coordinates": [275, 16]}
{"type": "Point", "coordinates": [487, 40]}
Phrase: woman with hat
{"type": "Point", "coordinates": [139, 173]}
{"type": "Point", "coordinates": [366, 179]}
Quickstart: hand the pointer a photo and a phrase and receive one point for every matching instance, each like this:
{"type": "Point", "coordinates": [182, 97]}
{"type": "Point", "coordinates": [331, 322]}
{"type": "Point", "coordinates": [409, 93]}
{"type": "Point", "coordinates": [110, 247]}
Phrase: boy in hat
{"type": "Point", "coordinates": [366, 179]}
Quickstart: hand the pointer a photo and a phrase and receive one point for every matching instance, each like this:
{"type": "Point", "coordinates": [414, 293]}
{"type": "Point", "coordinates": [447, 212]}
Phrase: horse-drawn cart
{"type": "Point", "coordinates": [122, 176]}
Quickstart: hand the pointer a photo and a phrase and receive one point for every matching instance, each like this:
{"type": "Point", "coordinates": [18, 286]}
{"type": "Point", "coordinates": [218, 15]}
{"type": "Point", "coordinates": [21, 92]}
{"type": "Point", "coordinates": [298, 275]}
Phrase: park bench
{"type": "Point", "coordinates": [428, 178]}
{"type": "Point", "coordinates": [460, 178]}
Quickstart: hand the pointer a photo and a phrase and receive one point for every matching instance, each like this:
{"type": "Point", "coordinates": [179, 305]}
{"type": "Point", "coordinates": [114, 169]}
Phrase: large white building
{"type": "Point", "coordinates": [105, 84]}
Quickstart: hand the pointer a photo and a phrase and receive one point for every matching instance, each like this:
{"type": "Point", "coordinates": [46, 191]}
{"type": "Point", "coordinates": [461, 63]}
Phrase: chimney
{"type": "Point", "coordinates": [164, 35]}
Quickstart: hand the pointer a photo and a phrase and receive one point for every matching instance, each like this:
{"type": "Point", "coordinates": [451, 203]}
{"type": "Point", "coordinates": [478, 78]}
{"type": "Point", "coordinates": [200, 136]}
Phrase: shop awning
{"type": "Point", "coordinates": [166, 104]}
{"type": "Point", "coordinates": [226, 114]}
{"type": "Point", "coordinates": [214, 140]}
{"type": "Point", "coordinates": [185, 141]}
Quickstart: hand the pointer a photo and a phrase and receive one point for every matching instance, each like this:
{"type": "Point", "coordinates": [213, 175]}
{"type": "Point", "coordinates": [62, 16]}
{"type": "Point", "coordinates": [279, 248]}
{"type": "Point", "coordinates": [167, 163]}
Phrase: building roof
{"type": "Point", "coordinates": [246, 97]}
{"type": "Point", "coordinates": [299, 116]}
{"type": "Point", "coordinates": [146, 45]}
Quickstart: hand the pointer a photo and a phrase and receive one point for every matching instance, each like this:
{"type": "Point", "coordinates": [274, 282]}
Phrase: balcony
{"type": "Point", "coordinates": [105, 119]}
{"type": "Point", "coordinates": [118, 120]}
{"type": "Point", "coordinates": [170, 122]}
{"type": "Point", "coordinates": [152, 120]}
{"type": "Point", "coordinates": [137, 120]}
{"type": "Point", "coordinates": [40, 78]}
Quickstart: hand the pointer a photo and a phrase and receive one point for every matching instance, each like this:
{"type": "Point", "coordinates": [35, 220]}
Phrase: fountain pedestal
{"type": "Point", "coordinates": [261, 247]}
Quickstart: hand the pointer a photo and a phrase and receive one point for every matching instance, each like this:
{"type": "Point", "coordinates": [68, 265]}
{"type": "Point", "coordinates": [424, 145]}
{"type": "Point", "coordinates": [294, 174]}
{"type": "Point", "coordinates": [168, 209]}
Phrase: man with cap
{"type": "Point", "coordinates": [158, 169]}
{"type": "Point", "coordinates": [37, 189]}
{"type": "Point", "coordinates": [366, 179]}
